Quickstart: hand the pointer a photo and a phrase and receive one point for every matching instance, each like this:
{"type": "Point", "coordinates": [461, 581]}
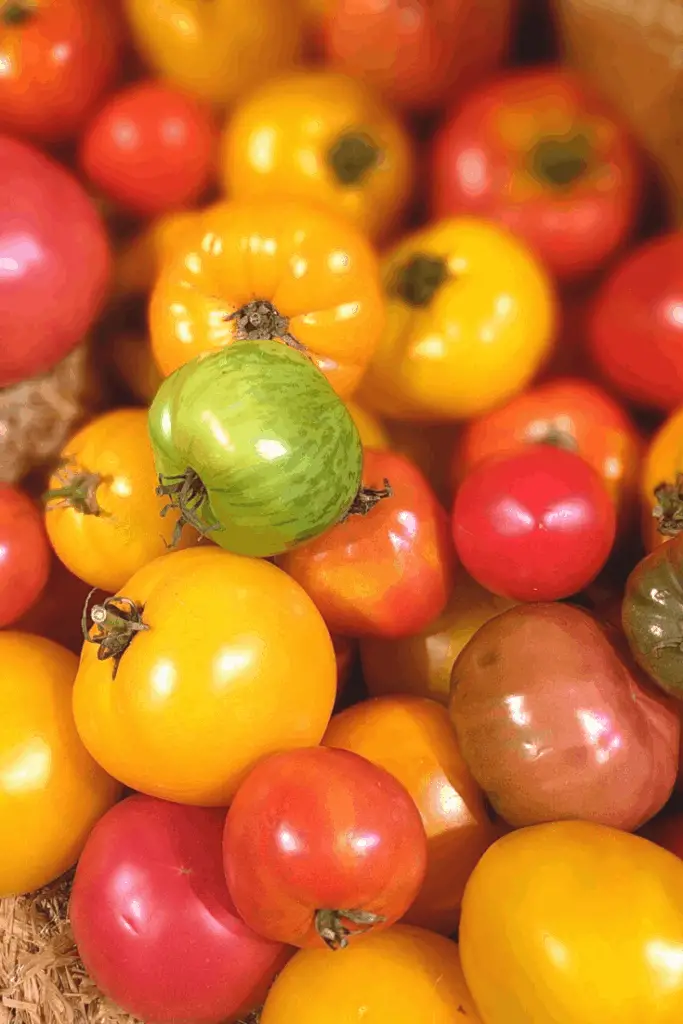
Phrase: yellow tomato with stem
{"type": "Point", "coordinates": [663, 464]}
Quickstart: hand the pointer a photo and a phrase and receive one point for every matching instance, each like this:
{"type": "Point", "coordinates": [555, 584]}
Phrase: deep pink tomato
{"type": "Point", "coordinates": [537, 525]}
{"type": "Point", "coordinates": [154, 922]}
{"type": "Point", "coordinates": [321, 843]}
{"type": "Point", "coordinates": [24, 554]}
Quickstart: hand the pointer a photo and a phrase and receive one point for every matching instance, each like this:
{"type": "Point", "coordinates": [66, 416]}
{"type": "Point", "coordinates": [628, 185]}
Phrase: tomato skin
{"type": "Point", "coordinates": [346, 655]}
{"type": "Point", "coordinates": [138, 260]}
{"type": "Point", "coordinates": [666, 831]}
{"type": "Point", "coordinates": [499, 155]}
{"type": "Point", "coordinates": [388, 572]}
{"type": "Point", "coordinates": [189, 956]}
{"type": "Point", "coordinates": [662, 463]}
{"type": "Point", "coordinates": [321, 829]}
{"type": "Point", "coordinates": [24, 554]}
{"type": "Point", "coordinates": [537, 525]}
{"type": "Point", "coordinates": [537, 945]}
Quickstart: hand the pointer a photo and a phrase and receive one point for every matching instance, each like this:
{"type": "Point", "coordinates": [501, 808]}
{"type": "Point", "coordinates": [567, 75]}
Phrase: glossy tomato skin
{"type": "Point", "coordinates": [55, 251]}
{"type": "Point", "coordinates": [553, 928]}
{"type": "Point", "coordinates": [537, 525]}
{"type": "Point", "coordinates": [51, 790]}
{"type": "Point", "coordinates": [24, 554]}
{"type": "Point", "coordinates": [662, 464]}
{"type": "Point", "coordinates": [321, 830]}
{"type": "Point", "coordinates": [537, 152]}
{"type": "Point", "coordinates": [189, 956]}
{"type": "Point", "coordinates": [388, 572]}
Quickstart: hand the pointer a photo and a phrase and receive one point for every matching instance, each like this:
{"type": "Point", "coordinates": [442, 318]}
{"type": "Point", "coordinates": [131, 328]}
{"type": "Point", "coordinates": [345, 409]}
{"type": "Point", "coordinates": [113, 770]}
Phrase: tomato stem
{"type": "Point", "coordinates": [351, 156]}
{"type": "Point", "coordinates": [418, 280]}
{"type": "Point", "coordinates": [669, 507]}
{"type": "Point", "coordinates": [78, 490]}
{"type": "Point", "coordinates": [556, 437]}
{"type": "Point", "coordinates": [17, 12]}
{"type": "Point", "coordinates": [335, 934]}
{"type": "Point", "coordinates": [260, 321]}
{"type": "Point", "coordinates": [117, 621]}
{"type": "Point", "coordinates": [366, 499]}
{"type": "Point", "coordinates": [186, 494]}
{"type": "Point", "coordinates": [559, 161]}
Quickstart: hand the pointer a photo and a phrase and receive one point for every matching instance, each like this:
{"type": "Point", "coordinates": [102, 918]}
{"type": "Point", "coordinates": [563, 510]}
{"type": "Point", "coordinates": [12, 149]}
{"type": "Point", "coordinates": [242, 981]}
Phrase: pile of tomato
{"type": "Point", "coordinates": [341, 649]}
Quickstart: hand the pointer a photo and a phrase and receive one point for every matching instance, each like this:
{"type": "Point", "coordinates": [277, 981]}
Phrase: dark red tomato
{"type": "Point", "coordinates": [57, 613]}
{"type": "Point", "coordinates": [537, 152]}
{"type": "Point", "coordinates": [153, 920]}
{"type": "Point", "coordinates": [667, 831]}
{"type": "Point", "coordinates": [54, 262]}
{"type": "Point", "coordinates": [346, 653]}
{"type": "Point", "coordinates": [24, 554]}
{"type": "Point", "coordinates": [321, 844]}
{"type": "Point", "coordinates": [150, 148]}
{"type": "Point", "coordinates": [635, 329]}
{"type": "Point", "coordinates": [537, 525]}
{"type": "Point", "coordinates": [388, 572]}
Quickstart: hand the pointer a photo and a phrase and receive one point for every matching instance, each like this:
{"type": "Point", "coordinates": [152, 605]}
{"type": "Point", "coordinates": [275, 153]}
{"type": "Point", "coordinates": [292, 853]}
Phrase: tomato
{"type": "Point", "coordinates": [51, 791]}
{"type": "Point", "coordinates": [666, 831]}
{"type": "Point", "coordinates": [132, 361]}
{"type": "Point", "coordinates": [346, 653]}
{"type": "Point", "coordinates": [429, 446]}
{"type": "Point", "coordinates": [215, 51]}
{"type": "Point", "coordinates": [421, 663]}
{"type": "Point", "coordinates": [408, 50]}
{"type": "Point", "coordinates": [534, 525]}
{"type": "Point", "coordinates": [150, 148]}
{"type": "Point", "coordinates": [24, 554]}
{"type": "Point", "coordinates": [153, 920]}
{"type": "Point", "coordinates": [536, 151]}
{"type": "Point", "coordinates": [55, 262]}
{"type": "Point", "coordinates": [57, 613]}
{"type": "Point", "coordinates": [314, 273]}
{"type": "Point", "coordinates": [662, 466]}
{"type": "Point", "coordinates": [322, 136]}
{"type": "Point", "coordinates": [138, 260]}
{"type": "Point", "coordinates": [412, 738]}
{"type": "Point", "coordinates": [470, 319]}
{"type": "Point", "coordinates": [57, 58]}
{"type": "Point", "coordinates": [574, 923]}
{"type": "Point", "coordinates": [636, 324]}
{"type": "Point", "coordinates": [235, 663]}
{"type": "Point", "coordinates": [399, 976]}
{"type": "Point", "coordinates": [387, 571]}
{"type": "Point", "coordinates": [373, 433]}
{"type": "Point", "coordinates": [102, 515]}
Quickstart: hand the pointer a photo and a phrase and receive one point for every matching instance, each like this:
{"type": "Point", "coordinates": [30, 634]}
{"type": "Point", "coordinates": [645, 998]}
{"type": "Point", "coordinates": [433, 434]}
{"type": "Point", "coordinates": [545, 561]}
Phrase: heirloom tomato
{"type": "Point", "coordinates": [370, 428]}
{"type": "Point", "coordinates": [203, 664]}
{"type": "Point", "coordinates": [24, 554]}
{"type": "Point", "coordinates": [51, 790]}
{"type": "Point", "coordinates": [470, 319]}
{"type": "Point", "coordinates": [412, 738]}
{"type": "Point", "coordinates": [574, 923]}
{"type": "Point", "coordinates": [660, 491]}
{"type": "Point", "coordinates": [539, 153]}
{"type": "Point", "coordinates": [321, 136]}
{"type": "Point", "coordinates": [322, 845]}
{"type": "Point", "coordinates": [399, 976]}
{"type": "Point", "coordinates": [139, 259]}
{"type": "Point", "coordinates": [132, 361]}
{"type": "Point", "coordinates": [271, 269]}
{"type": "Point", "coordinates": [387, 569]}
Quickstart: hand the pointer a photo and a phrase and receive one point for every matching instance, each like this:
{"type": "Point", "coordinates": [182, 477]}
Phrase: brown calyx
{"type": "Point", "coordinates": [187, 494]}
{"type": "Point", "coordinates": [351, 157]}
{"type": "Point", "coordinates": [330, 926]}
{"type": "Point", "coordinates": [669, 508]}
{"type": "Point", "coordinates": [77, 490]}
{"type": "Point", "coordinates": [260, 321]}
{"type": "Point", "coordinates": [366, 499]}
{"type": "Point", "coordinates": [556, 437]}
{"type": "Point", "coordinates": [17, 12]}
{"type": "Point", "coordinates": [559, 161]}
{"type": "Point", "coordinates": [117, 622]}
{"type": "Point", "coordinates": [418, 280]}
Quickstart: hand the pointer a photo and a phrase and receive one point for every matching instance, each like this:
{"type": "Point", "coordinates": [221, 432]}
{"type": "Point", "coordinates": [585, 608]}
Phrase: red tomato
{"type": "Point", "coordinates": [57, 613]}
{"type": "Point", "coordinates": [153, 920]}
{"type": "Point", "coordinates": [388, 572]}
{"type": "Point", "coordinates": [667, 831]}
{"type": "Point", "coordinates": [24, 554]}
{"type": "Point", "coordinates": [321, 844]}
{"type": "Point", "coordinates": [534, 526]}
{"type": "Point", "coordinates": [150, 148]}
{"type": "Point", "coordinates": [346, 654]}
{"type": "Point", "coordinates": [54, 262]}
{"type": "Point", "coordinates": [635, 330]}
{"type": "Point", "coordinates": [537, 152]}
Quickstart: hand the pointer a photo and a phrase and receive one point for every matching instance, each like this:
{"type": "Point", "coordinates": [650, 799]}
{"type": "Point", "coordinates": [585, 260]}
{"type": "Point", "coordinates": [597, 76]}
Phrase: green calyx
{"type": "Point", "coordinates": [16, 12]}
{"type": "Point", "coordinates": [335, 933]}
{"type": "Point", "coordinates": [559, 161]}
{"type": "Point", "coordinates": [418, 280]}
{"type": "Point", "coordinates": [117, 621]}
{"type": "Point", "coordinates": [77, 490]}
{"type": "Point", "coordinates": [352, 156]}
{"type": "Point", "coordinates": [669, 508]}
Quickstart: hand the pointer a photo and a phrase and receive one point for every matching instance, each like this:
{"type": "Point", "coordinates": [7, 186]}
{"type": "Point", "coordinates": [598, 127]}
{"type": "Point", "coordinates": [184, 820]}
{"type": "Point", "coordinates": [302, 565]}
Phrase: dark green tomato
{"type": "Point", "coordinates": [252, 444]}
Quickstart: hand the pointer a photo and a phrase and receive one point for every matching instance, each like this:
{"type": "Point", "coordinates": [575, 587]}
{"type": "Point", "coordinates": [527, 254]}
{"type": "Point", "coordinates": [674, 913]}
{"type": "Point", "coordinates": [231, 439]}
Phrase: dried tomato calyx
{"type": "Point", "coordinates": [366, 499]}
{"type": "Point", "coordinates": [330, 926]}
{"type": "Point", "coordinates": [117, 621]}
{"type": "Point", "coordinates": [77, 490]}
{"type": "Point", "coordinates": [351, 156]}
{"type": "Point", "coordinates": [260, 321]}
{"type": "Point", "coordinates": [17, 12]}
{"type": "Point", "coordinates": [559, 161]}
{"type": "Point", "coordinates": [418, 280]}
{"type": "Point", "coordinates": [187, 496]}
{"type": "Point", "coordinates": [669, 508]}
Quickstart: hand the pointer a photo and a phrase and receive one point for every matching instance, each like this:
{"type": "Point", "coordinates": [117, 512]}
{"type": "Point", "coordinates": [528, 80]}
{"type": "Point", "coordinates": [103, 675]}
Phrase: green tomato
{"type": "Point", "coordinates": [252, 443]}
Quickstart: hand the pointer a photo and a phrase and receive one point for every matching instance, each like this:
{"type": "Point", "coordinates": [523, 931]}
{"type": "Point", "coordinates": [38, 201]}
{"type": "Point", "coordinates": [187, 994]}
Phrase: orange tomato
{"type": "Point", "coordinates": [372, 431]}
{"type": "Point", "coordinates": [137, 263]}
{"type": "Point", "coordinates": [132, 360]}
{"type": "Point", "coordinates": [308, 273]}
{"type": "Point", "coordinates": [412, 738]}
{"type": "Point", "coordinates": [662, 464]}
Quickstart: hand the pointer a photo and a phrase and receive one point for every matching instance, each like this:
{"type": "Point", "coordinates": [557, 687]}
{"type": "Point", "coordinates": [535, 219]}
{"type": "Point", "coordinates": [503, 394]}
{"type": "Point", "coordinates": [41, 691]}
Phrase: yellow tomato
{"type": "Point", "coordinates": [51, 791]}
{"type": "Point", "coordinates": [470, 320]}
{"type": "Point", "coordinates": [322, 136]}
{"type": "Point", "coordinates": [662, 465]}
{"type": "Point", "coordinates": [234, 662]}
{"type": "Point", "coordinates": [371, 429]}
{"type": "Point", "coordinates": [103, 515]}
{"type": "Point", "coordinates": [575, 923]}
{"type": "Point", "coordinates": [137, 263]}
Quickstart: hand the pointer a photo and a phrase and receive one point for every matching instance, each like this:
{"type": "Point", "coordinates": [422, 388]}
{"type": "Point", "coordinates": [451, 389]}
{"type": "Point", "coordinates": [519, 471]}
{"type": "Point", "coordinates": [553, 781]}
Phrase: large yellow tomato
{"type": "Point", "coordinates": [138, 261]}
{"type": "Point", "coordinates": [51, 790]}
{"type": "Point", "coordinates": [403, 975]}
{"type": "Point", "coordinates": [323, 136]}
{"type": "Point", "coordinates": [662, 465]}
{"type": "Point", "coordinates": [575, 923]}
{"type": "Point", "coordinates": [233, 662]}
{"type": "Point", "coordinates": [103, 515]}
{"type": "Point", "coordinates": [470, 320]}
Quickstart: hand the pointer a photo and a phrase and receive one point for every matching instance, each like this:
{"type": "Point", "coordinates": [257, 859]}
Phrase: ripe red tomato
{"type": "Point", "coordinates": [635, 329]}
{"type": "Point", "coordinates": [54, 262]}
{"type": "Point", "coordinates": [321, 844]}
{"type": "Point", "coordinates": [150, 148]}
{"type": "Point", "coordinates": [24, 554]}
{"type": "Point", "coordinates": [537, 525]}
{"type": "Point", "coordinates": [153, 920]}
{"type": "Point", "coordinates": [537, 152]}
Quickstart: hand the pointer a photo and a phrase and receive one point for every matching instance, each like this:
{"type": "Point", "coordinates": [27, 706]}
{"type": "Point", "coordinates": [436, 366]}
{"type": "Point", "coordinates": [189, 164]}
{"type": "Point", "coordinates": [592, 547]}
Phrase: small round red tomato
{"type": "Point", "coordinates": [24, 554]}
{"type": "Point", "coordinates": [154, 922]}
{"type": "Point", "coordinates": [320, 845]}
{"type": "Point", "coordinates": [150, 148]}
{"type": "Point", "coordinates": [537, 525]}
{"type": "Point", "coordinates": [537, 152]}
{"type": "Point", "coordinates": [387, 570]}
